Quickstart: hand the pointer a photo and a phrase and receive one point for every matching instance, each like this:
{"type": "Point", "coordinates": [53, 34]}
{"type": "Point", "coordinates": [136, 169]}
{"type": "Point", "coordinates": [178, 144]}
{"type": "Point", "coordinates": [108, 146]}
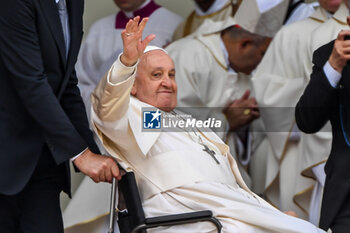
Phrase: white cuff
{"type": "Point", "coordinates": [332, 75]}
{"type": "Point", "coordinates": [72, 159]}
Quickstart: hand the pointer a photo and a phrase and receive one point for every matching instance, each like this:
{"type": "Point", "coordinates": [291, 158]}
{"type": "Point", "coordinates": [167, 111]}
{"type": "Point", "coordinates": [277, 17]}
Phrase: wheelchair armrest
{"type": "Point", "coordinates": [191, 216]}
{"type": "Point", "coordinates": [177, 219]}
{"type": "Point", "coordinates": [133, 220]}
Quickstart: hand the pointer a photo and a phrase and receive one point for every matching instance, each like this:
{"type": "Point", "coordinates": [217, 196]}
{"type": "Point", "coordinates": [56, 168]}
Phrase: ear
{"type": "Point", "coordinates": [133, 90]}
{"type": "Point", "coordinates": [245, 42]}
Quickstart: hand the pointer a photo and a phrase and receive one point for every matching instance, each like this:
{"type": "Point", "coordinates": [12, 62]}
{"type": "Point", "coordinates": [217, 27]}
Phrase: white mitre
{"type": "Point", "coordinates": [264, 17]}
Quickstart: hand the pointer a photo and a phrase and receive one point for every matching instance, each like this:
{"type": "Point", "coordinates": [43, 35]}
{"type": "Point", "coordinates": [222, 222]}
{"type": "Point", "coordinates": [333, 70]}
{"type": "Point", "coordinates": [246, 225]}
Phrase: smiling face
{"type": "Point", "coordinates": [155, 81]}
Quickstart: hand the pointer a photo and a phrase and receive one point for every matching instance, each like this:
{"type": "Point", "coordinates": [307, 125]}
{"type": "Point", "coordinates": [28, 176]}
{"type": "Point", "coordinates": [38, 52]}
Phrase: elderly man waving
{"type": "Point", "coordinates": [172, 168]}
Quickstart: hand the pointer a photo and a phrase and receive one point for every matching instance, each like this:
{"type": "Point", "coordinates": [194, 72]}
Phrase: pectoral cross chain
{"type": "Point", "coordinates": [211, 153]}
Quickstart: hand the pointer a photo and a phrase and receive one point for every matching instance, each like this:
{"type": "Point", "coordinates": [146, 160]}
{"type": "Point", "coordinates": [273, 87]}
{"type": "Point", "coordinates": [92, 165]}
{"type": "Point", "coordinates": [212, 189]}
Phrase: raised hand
{"type": "Point", "coordinates": [242, 111]}
{"type": "Point", "coordinates": [132, 41]}
{"type": "Point", "coordinates": [341, 51]}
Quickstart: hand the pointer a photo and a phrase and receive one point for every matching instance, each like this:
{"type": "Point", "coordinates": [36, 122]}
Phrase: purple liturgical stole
{"type": "Point", "coordinates": [121, 19]}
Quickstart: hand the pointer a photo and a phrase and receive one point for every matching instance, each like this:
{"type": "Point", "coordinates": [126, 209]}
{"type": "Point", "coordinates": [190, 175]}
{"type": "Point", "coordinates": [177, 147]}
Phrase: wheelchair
{"type": "Point", "coordinates": [132, 219]}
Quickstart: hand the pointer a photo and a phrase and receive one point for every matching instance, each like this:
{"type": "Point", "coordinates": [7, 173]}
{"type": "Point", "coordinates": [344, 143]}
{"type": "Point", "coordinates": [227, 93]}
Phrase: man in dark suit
{"type": "Point", "coordinates": [43, 122]}
{"type": "Point", "coordinates": [327, 97]}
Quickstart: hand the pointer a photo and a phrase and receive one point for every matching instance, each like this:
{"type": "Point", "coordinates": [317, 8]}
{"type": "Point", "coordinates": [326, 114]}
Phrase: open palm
{"type": "Point", "coordinates": [132, 40]}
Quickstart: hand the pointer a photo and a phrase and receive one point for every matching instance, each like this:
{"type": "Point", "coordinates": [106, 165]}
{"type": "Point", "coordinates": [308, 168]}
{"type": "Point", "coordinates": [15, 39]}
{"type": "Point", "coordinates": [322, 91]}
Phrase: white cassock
{"type": "Point", "coordinates": [302, 11]}
{"type": "Point", "coordinates": [259, 16]}
{"type": "Point", "coordinates": [103, 44]}
{"type": "Point", "coordinates": [220, 10]}
{"type": "Point", "coordinates": [279, 81]}
{"type": "Point", "coordinates": [207, 84]}
{"type": "Point", "coordinates": [171, 168]}
{"type": "Point", "coordinates": [330, 29]}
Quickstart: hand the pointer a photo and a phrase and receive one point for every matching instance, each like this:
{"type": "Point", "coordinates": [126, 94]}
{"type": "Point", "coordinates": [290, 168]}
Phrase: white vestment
{"type": "Point", "coordinates": [206, 86]}
{"type": "Point", "coordinates": [171, 168]}
{"type": "Point", "coordinates": [262, 17]}
{"type": "Point", "coordinates": [278, 82]}
{"type": "Point", "coordinates": [259, 16]}
{"type": "Point", "coordinates": [103, 44]}
{"type": "Point", "coordinates": [193, 21]}
{"type": "Point", "coordinates": [330, 29]}
{"type": "Point", "coordinates": [301, 12]}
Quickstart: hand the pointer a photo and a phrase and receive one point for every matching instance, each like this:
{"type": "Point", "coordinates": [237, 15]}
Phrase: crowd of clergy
{"type": "Point", "coordinates": [250, 58]}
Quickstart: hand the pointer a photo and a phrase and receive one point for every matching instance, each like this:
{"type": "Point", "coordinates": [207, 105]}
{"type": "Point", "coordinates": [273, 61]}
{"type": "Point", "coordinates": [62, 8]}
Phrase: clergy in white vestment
{"type": "Point", "coordinates": [260, 16]}
{"type": "Point", "coordinates": [103, 42]}
{"type": "Point", "coordinates": [216, 10]}
{"type": "Point", "coordinates": [330, 29]}
{"type": "Point", "coordinates": [300, 10]}
{"type": "Point", "coordinates": [213, 72]}
{"type": "Point", "coordinates": [171, 168]}
{"type": "Point", "coordinates": [278, 82]}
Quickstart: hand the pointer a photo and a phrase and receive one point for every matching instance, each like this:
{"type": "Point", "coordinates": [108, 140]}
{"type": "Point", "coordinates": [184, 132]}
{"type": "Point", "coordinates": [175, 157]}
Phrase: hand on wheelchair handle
{"type": "Point", "coordinates": [99, 168]}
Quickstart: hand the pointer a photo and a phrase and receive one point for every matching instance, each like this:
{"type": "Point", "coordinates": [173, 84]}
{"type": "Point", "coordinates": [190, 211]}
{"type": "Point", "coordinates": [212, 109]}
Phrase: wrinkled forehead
{"type": "Point", "coordinates": [156, 59]}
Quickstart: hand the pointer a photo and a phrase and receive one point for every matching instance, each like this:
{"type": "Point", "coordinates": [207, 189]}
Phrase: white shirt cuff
{"type": "Point", "coordinates": [72, 159]}
{"type": "Point", "coordinates": [332, 75]}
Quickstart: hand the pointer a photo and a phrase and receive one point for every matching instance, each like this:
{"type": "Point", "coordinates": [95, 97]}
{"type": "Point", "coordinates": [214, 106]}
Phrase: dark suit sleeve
{"type": "Point", "coordinates": [319, 99]}
{"type": "Point", "coordinates": [21, 53]}
{"type": "Point", "coordinates": [74, 107]}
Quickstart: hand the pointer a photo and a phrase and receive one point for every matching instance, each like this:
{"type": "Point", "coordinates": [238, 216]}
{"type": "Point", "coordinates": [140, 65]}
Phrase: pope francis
{"type": "Point", "coordinates": [174, 172]}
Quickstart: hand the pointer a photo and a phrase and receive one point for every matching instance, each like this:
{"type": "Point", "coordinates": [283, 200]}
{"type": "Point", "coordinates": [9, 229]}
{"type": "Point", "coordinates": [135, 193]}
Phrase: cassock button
{"type": "Point", "coordinates": [341, 86]}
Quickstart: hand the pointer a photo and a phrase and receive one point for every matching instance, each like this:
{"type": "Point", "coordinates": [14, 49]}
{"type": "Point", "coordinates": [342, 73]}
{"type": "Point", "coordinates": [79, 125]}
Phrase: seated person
{"type": "Point", "coordinates": [173, 170]}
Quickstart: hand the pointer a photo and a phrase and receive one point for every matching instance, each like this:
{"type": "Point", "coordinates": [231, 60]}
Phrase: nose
{"type": "Point", "coordinates": [166, 81]}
